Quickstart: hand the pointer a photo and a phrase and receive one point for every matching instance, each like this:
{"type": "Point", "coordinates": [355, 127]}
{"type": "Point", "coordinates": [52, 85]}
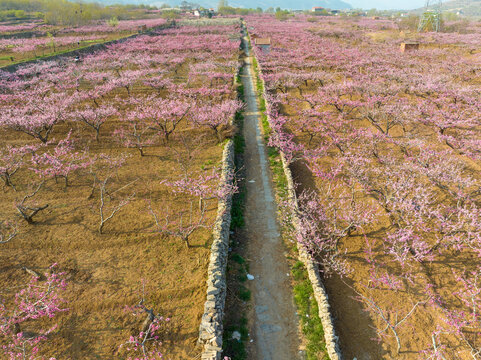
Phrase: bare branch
{"type": "Point", "coordinates": [103, 190]}
{"type": "Point", "coordinates": [181, 227]}
{"type": "Point", "coordinates": [8, 232]}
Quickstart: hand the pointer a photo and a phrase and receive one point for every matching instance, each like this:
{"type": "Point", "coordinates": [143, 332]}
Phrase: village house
{"type": "Point", "coordinates": [263, 43]}
{"type": "Point", "coordinates": [317, 9]}
{"type": "Point", "coordinates": [204, 13]}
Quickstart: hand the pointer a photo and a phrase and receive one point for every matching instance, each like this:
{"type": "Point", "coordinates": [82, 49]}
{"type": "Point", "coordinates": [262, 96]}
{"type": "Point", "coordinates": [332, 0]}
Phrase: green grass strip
{"type": "Point", "coordinates": [304, 299]}
{"type": "Point", "coordinates": [308, 311]}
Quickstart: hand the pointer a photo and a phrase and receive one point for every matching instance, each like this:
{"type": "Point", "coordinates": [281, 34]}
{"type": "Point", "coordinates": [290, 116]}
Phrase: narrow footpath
{"type": "Point", "coordinates": [273, 322]}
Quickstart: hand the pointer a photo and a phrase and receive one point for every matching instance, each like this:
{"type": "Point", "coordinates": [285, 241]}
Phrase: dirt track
{"type": "Point", "coordinates": [273, 321]}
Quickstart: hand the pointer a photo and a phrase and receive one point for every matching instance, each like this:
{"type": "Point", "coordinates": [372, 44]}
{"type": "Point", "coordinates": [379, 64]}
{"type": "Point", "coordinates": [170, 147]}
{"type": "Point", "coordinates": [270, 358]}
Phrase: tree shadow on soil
{"type": "Point", "coordinates": [352, 324]}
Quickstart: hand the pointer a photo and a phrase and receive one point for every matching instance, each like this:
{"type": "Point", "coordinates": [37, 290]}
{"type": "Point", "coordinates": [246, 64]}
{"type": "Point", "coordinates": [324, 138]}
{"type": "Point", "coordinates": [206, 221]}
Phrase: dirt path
{"type": "Point", "coordinates": [273, 321]}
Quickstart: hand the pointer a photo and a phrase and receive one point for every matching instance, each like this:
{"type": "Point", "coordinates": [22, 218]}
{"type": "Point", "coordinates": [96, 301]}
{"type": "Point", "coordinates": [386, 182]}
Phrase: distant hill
{"type": "Point", "coordinates": [468, 7]}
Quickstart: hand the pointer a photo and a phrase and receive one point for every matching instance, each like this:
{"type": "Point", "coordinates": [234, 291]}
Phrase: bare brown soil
{"type": "Point", "coordinates": [104, 272]}
{"type": "Point", "coordinates": [356, 327]}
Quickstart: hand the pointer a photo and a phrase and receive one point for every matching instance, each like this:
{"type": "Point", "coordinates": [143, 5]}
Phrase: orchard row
{"type": "Point", "coordinates": [391, 207]}
{"type": "Point", "coordinates": [135, 133]}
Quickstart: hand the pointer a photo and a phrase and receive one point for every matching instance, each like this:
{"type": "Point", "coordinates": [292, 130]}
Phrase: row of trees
{"type": "Point", "coordinates": [173, 91]}
{"type": "Point", "coordinates": [49, 43]}
{"type": "Point", "coordinates": [394, 157]}
{"type": "Point", "coordinates": [60, 12]}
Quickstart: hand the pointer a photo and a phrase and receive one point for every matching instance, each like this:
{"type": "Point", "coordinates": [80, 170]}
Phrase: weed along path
{"type": "Point", "coordinates": [273, 321]}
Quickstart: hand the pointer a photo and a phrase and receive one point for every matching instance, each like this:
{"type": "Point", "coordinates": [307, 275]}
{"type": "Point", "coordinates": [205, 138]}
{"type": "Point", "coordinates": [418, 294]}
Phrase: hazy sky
{"type": "Point", "coordinates": [387, 4]}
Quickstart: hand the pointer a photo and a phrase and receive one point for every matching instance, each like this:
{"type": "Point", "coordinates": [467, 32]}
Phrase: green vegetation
{"type": "Point", "coordinates": [12, 14]}
{"type": "Point", "coordinates": [237, 268]}
{"type": "Point", "coordinates": [308, 313]}
{"type": "Point", "coordinates": [238, 201]}
{"type": "Point", "coordinates": [229, 10]}
{"type": "Point", "coordinates": [262, 102]}
{"type": "Point", "coordinates": [238, 259]}
{"type": "Point", "coordinates": [113, 21]}
{"type": "Point", "coordinates": [171, 14]}
{"type": "Point", "coordinates": [237, 211]}
{"type": "Point", "coordinates": [278, 174]}
{"type": "Point", "coordinates": [62, 12]}
{"type": "Point", "coordinates": [236, 319]}
{"type": "Point", "coordinates": [223, 8]}
{"type": "Point", "coordinates": [282, 14]}
{"type": "Point", "coordinates": [409, 22]}
{"type": "Point", "coordinates": [244, 293]}
{"type": "Point", "coordinates": [240, 88]}
{"type": "Point", "coordinates": [233, 346]}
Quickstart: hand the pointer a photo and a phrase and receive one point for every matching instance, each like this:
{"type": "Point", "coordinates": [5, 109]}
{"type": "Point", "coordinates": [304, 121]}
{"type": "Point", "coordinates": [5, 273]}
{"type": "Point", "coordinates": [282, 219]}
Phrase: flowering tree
{"type": "Point", "coordinates": [465, 325]}
{"type": "Point", "coordinates": [217, 116]}
{"type": "Point", "coordinates": [184, 223]}
{"type": "Point", "coordinates": [205, 186]}
{"type": "Point", "coordinates": [113, 209]}
{"type": "Point", "coordinates": [126, 79]}
{"type": "Point", "coordinates": [12, 160]}
{"type": "Point", "coordinates": [95, 117]}
{"type": "Point", "coordinates": [39, 300]}
{"type": "Point", "coordinates": [181, 224]}
{"type": "Point", "coordinates": [62, 161]}
{"type": "Point", "coordinates": [36, 113]}
{"type": "Point", "coordinates": [164, 115]}
{"type": "Point", "coordinates": [406, 144]}
{"type": "Point", "coordinates": [390, 317]}
{"type": "Point", "coordinates": [321, 224]}
{"type": "Point", "coordinates": [136, 134]}
{"type": "Point", "coordinates": [146, 344]}
{"type": "Point", "coordinates": [107, 87]}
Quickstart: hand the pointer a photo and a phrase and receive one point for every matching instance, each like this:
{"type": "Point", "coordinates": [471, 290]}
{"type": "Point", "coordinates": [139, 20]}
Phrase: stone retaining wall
{"type": "Point", "coordinates": [330, 337]}
{"type": "Point", "coordinates": [22, 35]}
{"type": "Point", "coordinates": [211, 326]}
{"type": "Point", "coordinates": [332, 341]}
